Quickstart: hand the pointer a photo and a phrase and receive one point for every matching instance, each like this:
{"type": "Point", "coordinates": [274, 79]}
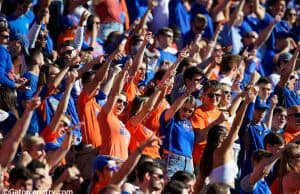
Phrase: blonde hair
{"type": "Point", "coordinates": [29, 141]}
{"type": "Point", "coordinates": [286, 165]}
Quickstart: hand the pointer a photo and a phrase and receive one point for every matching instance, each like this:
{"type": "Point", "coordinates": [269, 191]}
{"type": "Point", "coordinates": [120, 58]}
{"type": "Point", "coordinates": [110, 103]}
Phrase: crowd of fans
{"type": "Point", "coordinates": [146, 96]}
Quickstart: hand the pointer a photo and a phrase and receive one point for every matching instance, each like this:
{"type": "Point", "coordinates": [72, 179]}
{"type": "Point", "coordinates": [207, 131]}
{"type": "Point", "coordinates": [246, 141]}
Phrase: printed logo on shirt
{"type": "Point", "coordinates": [53, 102]}
{"type": "Point", "coordinates": [123, 130]}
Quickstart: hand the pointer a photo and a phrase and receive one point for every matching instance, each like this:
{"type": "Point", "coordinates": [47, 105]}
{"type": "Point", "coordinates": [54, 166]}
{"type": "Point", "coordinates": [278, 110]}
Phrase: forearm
{"type": "Point", "coordinates": [57, 80]}
{"type": "Point", "coordinates": [79, 37]}
{"type": "Point", "coordinates": [13, 140]}
{"type": "Point", "coordinates": [265, 34]}
{"type": "Point", "coordinates": [33, 34]}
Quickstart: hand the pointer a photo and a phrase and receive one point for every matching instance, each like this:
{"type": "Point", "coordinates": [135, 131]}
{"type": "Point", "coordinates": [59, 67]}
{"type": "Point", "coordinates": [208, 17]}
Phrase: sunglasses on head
{"type": "Point", "coordinates": [212, 95]}
{"type": "Point", "coordinates": [120, 101]}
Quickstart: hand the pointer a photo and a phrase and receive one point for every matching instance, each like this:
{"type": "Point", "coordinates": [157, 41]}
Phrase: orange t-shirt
{"type": "Point", "coordinates": [200, 120]}
{"type": "Point", "coordinates": [152, 120]}
{"type": "Point", "coordinates": [115, 136]}
{"type": "Point", "coordinates": [131, 90]}
{"type": "Point", "coordinates": [48, 135]}
{"type": "Point", "coordinates": [88, 110]}
{"type": "Point", "coordinates": [139, 134]}
{"type": "Point", "coordinates": [289, 134]}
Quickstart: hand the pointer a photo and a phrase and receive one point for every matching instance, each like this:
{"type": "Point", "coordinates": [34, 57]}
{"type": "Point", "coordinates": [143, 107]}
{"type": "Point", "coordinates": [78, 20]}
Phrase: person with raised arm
{"type": "Point", "coordinates": [87, 107]}
{"type": "Point", "coordinates": [284, 89]}
{"type": "Point", "coordinates": [217, 164]}
{"type": "Point", "coordinates": [115, 136]}
{"type": "Point", "coordinates": [179, 136]}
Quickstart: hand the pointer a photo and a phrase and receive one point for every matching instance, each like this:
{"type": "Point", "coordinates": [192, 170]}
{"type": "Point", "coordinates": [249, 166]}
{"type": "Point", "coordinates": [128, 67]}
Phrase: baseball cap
{"type": "Point", "coordinates": [23, 40]}
{"type": "Point", "coordinates": [69, 21]}
{"type": "Point", "coordinates": [260, 104]}
{"type": "Point", "coordinates": [86, 47]}
{"type": "Point", "coordinates": [285, 57]}
{"type": "Point", "coordinates": [100, 162]}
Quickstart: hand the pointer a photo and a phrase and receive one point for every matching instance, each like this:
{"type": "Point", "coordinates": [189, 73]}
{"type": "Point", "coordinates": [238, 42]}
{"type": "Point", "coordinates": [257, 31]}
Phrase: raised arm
{"type": "Point", "coordinates": [89, 65]}
{"type": "Point", "coordinates": [53, 158]}
{"type": "Point", "coordinates": [179, 102]}
{"type": "Point", "coordinates": [235, 14]}
{"type": "Point", "coordinates": [54, 83]}
{"type": "Point", "coordinates": [218, 8]}
{"type": "Point", "coordinates": [130, 164]}
{"type": "Point", "coordinates": [63, 104]}
{"type": "Point", "coordinates": [147, 107]}
{"type": "Point", "coordinates": [101, 74]}
{"type": "Point", "coordinates": [259, 10]}
{"type": "Point", "coordinates": [238, 120]}
{"type": "Point", "coordinates": [11, 142]}
{"type": "Point", "coordinates": [266, 33]}
{"type": "Point", "coordinates": [152, 4]}
{"type": "Point", "coordinates": [285, 75]}
{"type": "Point", "coordinates": [138, 58]}
{"type": "Point", "coordinates": [263, 168]}
{"type": "Point", "coordinates": [274, 101]}
{"type": "Point", "coordinates": [117, 88]}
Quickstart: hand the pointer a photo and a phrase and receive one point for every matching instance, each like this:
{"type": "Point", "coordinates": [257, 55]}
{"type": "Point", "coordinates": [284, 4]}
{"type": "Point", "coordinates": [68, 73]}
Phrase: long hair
{"type": "Point", "coordinates": [213, 138]}
{"type": "Point", "coordinates": [136, 105]}
{"type": "Point", "coordinates": [286, 165]}
{"type": "Point", "coordinates": [8, 100]}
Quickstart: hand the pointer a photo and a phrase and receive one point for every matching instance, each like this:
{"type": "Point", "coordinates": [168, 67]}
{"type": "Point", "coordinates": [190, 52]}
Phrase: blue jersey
{"type": "Point", "coordinates": [179, 136]}
{"type": "Point", "coordinates": [286, 97]}
{"type": "Point", "coordinates": [6, 67]}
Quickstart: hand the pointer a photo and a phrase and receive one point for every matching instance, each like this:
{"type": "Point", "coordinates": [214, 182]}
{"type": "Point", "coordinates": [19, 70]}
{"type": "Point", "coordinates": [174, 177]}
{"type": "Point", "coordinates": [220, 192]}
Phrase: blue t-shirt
{"type": "Point", "coordinates": [51, 104]}
{"type": "Point", "coordinates": [209, 29]}
{"type": "Point", "coordinates": [179, 16]}
{"type": "Point", "coordinates": [280, 27]}
{"type": "Point", "coordinates": [179, 136]}
{"type": "Point", "coordinates": [255, 134]}
{"type": "Point", "coordinates": [231, 36]}
{"type": "Point", "coordinates": [6, 67]}
{"type": "Point", "coordinates": [20, 24]}
{"type": "Point", "coordinates": [165, 56]}
{"type": "Point", "coordinates": [286, 97]}
{"type": "Point", "coordinates": [27, 95]}
{"type": "Point", "coordinates": [8, 123]}
{"type": "Point", "coordinates": [267, 62]}
{"type": "Point", "coordinates": [33, 84]}
{"type": "Point", "coordinates": [136, 9]}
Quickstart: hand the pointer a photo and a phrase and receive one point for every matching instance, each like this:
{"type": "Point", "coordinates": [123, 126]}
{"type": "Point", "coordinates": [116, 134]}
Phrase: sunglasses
{"type": "Point", "coordinates": [168, 35]}
{"type": "Point", "coordinates": [297, 115]}
{"type": "Point", "coordinates": [5, 36]}
{"type": "Point", "coordinates": [188, 110]}
{"type": "Point", "coordinates": [68, 52]}
{"type": "Point", "coordinates": [120, 101]}
{"type": "Point", "coordinates": [227, 92]}
{"type": "Point", "coordinates": [160, 176]}
{"type": "Point", "coordinates": [292, 14]}
{"type": "Point", "coordinates": [44, 37]}
{"type": "Point", "coordinates": [212, 95]}
{"type": "Point", "coordinates": [292, 77]}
